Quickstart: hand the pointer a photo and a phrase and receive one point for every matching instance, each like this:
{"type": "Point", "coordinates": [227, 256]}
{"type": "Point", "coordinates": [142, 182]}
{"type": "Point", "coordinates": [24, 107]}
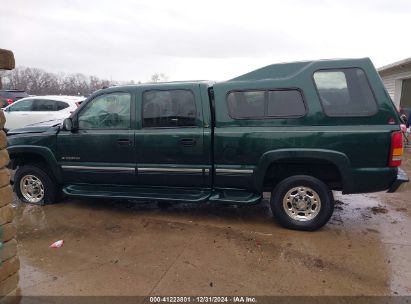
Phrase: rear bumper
{"type": "Point", "coordinates": [400, 180]}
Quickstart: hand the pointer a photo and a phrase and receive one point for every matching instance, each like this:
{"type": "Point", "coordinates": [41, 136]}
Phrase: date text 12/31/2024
{"type": "Point", "coordinates": [203, 299]}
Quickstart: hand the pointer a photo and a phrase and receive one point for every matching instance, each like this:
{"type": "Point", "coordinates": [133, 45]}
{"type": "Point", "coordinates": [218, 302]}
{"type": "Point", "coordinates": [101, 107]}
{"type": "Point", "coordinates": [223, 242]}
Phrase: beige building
{"type": "Point", "coordinates": [397, 80]}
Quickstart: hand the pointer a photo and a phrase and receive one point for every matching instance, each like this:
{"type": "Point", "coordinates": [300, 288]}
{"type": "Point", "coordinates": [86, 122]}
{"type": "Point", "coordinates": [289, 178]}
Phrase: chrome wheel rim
{"type": "Point", "coordinates": [302, 203]}
{"type": "Point", "coordinates": [32, 188]}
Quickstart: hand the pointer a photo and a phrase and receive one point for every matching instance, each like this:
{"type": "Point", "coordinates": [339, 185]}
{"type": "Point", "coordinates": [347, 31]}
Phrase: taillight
{"type": "Point", "coordinates": [396, 150]}
{"type": "Point", "coordinates": [9, 101]}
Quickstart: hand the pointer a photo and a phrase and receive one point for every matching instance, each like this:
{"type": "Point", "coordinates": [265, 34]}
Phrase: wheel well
{"type": "Point", "coordinates": [324, 170]}
{"type": "Point", "coordinates": [22, 159]}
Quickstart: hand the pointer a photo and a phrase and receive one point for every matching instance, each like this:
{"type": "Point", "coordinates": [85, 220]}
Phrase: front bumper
{"type": "Point", "coordinates": [399, 182]}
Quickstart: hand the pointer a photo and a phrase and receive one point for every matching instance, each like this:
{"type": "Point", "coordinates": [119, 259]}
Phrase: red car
{"type": "Point", "coordinates": [7, 97]}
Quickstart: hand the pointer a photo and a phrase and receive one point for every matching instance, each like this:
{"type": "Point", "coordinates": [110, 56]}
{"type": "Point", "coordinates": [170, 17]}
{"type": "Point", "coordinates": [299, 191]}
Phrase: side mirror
{"type": "Point", "coordinates": [68, 125]}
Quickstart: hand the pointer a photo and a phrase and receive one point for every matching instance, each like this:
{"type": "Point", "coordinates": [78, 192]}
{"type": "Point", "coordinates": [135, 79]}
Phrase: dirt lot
{"type": "Point", "coordinates": [126, 248]}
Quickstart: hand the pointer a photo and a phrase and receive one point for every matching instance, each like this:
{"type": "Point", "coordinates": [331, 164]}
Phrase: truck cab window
{"type": "Point", "coordinates": [108, 111]}
{"type": "Point", "coordinates": [169, 109]}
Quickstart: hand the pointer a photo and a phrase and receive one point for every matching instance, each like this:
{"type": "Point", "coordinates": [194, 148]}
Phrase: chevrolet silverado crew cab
{"type": "Point", "coordinates": [298, 130]}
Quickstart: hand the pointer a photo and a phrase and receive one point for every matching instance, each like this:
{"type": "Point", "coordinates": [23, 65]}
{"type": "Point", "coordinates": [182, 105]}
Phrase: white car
{"type": "Point", "coordinates": [30, 110]}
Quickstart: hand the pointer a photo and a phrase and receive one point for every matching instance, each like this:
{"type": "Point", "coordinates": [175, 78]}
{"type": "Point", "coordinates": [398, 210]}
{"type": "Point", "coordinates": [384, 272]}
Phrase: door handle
{"type": "Point", "coordinates": [124, 142]}
{"type": "Point", "coordinates": [188, 142]}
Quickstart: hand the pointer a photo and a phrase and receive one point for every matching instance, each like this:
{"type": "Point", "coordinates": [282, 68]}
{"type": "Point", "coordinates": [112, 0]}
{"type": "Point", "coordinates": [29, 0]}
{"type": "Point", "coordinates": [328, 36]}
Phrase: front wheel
{"type": "Point", "coordinates": [34, 185]}
{"type": "Point", "coordinates": [302, 202]}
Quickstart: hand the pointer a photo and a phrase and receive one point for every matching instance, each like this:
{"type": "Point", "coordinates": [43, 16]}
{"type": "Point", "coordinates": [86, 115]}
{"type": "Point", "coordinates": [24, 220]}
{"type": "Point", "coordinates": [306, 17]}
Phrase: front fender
{"type": "Point", "coordinates": [339, 159]}
{"type": "Point", "coordinates": [45, 153]}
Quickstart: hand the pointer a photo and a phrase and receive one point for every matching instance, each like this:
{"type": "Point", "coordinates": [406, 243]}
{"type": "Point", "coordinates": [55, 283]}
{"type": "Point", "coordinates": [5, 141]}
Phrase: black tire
{"type": "Point", "coordinates": [52, 192]}
{"type": "Point", "coordinates": [303, 221]}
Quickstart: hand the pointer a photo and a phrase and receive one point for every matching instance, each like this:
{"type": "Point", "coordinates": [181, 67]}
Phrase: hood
{"type": "Point", "coordinates": [39, 127]}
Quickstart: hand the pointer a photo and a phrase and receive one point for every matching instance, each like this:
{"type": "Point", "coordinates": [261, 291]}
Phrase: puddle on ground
{"type": "Point", "coordinates": [364, 250]}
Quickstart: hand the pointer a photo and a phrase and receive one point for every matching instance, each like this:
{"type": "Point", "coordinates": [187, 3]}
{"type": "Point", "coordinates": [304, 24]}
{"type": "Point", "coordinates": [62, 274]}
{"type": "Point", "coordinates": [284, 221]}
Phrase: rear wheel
{"type": "Point", "coordinates": [302, 202]}
{"type": "Point", "coordinates": [34, 185]}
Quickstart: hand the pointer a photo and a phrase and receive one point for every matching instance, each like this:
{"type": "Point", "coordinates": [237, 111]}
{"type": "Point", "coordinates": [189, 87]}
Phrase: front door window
{"type": "Point", "coordinates": [109, 111]}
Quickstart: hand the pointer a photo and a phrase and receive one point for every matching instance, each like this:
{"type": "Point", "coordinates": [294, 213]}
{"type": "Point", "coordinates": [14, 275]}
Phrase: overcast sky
{"type": "Point", "coordinates": [218, 40]}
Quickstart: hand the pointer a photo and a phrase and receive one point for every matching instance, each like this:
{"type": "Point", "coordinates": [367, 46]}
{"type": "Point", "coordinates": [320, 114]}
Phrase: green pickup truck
{"type": "Point", "coordinates": [298, 130]}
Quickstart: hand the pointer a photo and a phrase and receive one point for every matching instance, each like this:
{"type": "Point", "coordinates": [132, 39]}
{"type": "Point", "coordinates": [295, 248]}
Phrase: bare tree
{"type": "Point", "coordinates": [159, 77]}
{"type": "Point", "coordinates": [39, 82]}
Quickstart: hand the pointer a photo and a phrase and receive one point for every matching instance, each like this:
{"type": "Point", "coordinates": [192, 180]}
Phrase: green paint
{"type": "Point", "coordinates": [350, 153]}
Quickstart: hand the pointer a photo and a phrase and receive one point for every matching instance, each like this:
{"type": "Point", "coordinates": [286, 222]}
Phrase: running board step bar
{"type": "Point", "coordinates": [138, 193]}
{"type": "Point", "coordinates": [233, 196]}
{"type": "Point", "coordinates": [227, 196]}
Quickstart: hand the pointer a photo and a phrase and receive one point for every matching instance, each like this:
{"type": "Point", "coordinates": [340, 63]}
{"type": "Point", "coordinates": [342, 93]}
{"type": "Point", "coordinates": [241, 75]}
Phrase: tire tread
{"type": "Point", "coordinates": [52, 191]}
{"type": "Point", "coordinates": [327, 203]}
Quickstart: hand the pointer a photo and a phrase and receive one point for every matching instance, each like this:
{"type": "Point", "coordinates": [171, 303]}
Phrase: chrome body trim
{"type": "Point", "coordinates": [142, 169]}
{"type": "Point", "coordinates": [128, 169]}
{"type": "Point", "coordinates": [239, 171]}
{"type": "Point", "coordinates": [177, 170]}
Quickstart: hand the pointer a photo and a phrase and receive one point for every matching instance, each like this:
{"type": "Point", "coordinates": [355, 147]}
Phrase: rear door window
{"type": "Point", "coordinates": [44, 105]}
{"type": "Point", "coordinates": [169, 109]}
{"type": "Point", "coordinates": [345, 92]}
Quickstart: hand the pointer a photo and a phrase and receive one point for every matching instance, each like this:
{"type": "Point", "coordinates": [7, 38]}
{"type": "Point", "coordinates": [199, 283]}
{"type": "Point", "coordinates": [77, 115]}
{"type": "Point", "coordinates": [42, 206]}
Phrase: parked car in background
{"type": "Point", "coordinates": [36, 109]}
{"type": "Point", "coordinates": [7, 97]}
